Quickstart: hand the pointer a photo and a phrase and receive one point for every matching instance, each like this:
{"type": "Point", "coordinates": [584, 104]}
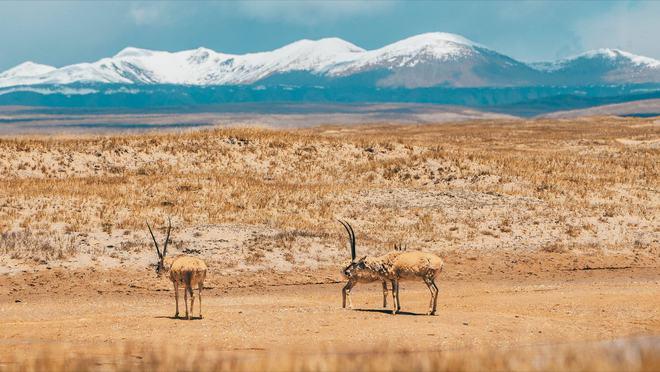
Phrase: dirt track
{"type": "Point", "coordinates": [579, 306]}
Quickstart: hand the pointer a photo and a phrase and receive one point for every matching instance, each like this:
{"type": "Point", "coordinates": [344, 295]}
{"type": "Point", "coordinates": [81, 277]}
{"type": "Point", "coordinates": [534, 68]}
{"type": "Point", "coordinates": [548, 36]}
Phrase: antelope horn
{"type": "Point", "coordinates": [167, 238]}
{"type": "Point", "coordinates": [351, 239]}
{"type": "Point", "coordinates": [154, 239]}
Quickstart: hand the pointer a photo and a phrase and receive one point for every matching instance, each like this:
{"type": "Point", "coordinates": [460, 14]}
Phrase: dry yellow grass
{"type": "Point", "coordinates": [641, 354]}
{"type": "Point", "coordinates": [499, 184]}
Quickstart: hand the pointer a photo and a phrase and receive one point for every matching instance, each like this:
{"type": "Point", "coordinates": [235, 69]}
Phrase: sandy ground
{"type": "Point", "coordinates": [100, 309]}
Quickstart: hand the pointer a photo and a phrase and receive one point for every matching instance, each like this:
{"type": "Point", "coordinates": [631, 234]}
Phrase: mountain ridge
{"type": "Point", "coordinates": [427, 60]}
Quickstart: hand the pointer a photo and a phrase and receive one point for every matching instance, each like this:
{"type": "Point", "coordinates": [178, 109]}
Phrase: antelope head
{"type": "Point", "coordinates": [161, 265]}
{"type": "Point", "coordinates": [356, 266]}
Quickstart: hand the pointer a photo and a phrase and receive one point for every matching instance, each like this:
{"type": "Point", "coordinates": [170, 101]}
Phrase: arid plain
{"type": "Point", "coordinates": [549, 230]}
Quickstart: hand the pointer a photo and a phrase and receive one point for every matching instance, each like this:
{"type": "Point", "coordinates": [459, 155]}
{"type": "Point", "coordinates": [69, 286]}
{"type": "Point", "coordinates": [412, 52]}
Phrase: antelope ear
{"type": "Point", "coordinates": [362, 259]}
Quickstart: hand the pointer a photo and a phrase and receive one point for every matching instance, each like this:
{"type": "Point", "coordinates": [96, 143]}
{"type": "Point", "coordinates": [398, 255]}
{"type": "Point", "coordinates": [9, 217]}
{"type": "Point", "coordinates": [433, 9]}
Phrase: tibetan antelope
{"type": "Point", "coordinates": [359, 276]}
{"type": "Point", "coordinates": [414, 265]}
{"type": "Point", "coordinates": [394, 267]}
{"type": "Point", "coordinates": [181, 270]}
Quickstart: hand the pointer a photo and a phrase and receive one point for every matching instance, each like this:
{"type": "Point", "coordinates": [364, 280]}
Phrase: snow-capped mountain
{"type": "Point", "coordinates": [435, 59]}
{"type": "Point", "coordinates": [191, 67]}
{"type": "Point", "coordinates": [426, 60]}
{"type": "Point", "coordinates": [602, 66]}
{"type": "Point", "coordinates": [26, 70]}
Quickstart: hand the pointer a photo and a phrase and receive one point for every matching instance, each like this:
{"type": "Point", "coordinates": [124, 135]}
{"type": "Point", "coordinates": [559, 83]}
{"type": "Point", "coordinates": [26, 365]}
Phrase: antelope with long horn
{"type": "Point", "coordinates": [358, 276]}
{"type": "Point", "coordinates": [181, 270]}
{"type": "Point", "coordinates": [394, 267]}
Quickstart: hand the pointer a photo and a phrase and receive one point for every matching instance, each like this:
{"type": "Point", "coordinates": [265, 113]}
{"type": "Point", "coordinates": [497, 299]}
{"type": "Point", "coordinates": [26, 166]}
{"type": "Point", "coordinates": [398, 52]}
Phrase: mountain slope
{"type": "Point", "coordinates": [603, 66]}
{"type": "Point", "coordinates": [438, 59]}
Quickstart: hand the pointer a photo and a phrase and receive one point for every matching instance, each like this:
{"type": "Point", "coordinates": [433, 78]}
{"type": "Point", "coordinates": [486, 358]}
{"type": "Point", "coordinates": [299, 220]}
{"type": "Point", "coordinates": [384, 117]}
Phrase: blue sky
{"type": "Point", "coordinates": [60, 33]}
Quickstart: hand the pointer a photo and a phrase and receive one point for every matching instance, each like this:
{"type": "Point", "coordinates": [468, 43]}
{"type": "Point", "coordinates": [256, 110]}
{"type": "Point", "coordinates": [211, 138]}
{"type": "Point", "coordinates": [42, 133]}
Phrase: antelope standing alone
{"type": "Point", "coordinates": [182, 270]}
{"type": "Point", "coordinates": [396, 266]}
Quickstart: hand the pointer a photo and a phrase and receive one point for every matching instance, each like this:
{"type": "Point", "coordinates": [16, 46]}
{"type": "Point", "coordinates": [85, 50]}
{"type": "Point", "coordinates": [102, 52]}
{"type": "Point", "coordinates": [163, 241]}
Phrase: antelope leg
{"type": "Point", "coordinates": [435, 299]}
{"type": "Point", "coordinates": [192, 301]}
{"type": "Point", "coordinates": [346, 294]}
{"type": "Point", "coordinates": [398, 297]}
{"type": "Point", "coordinates": [430, 286]}
{"type": "Point", "coordinates": [176, 299]}
{"type": "Point", "coordinates": [185, 301]}
{"type": "Point", "coordinates": [395, 296]}
{"type": "Point", "coordinates": [200, 286]}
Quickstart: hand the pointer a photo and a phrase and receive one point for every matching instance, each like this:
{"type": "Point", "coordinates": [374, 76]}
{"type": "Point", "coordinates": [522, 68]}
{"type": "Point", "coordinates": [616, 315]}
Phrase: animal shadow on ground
{"type": "Point", "coordinates": [177, 318]}
{"type": "Point", "coordinates": [387, 311]}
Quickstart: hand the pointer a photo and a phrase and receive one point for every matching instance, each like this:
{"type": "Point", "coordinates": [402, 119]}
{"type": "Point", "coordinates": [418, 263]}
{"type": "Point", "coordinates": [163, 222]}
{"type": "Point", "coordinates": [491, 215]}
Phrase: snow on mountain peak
{"type": "Point", "coordinates": [438, 38]}
{"type": "Point", "coordinates": [602, 52]}
{"type": "Point", "coordinates": [200, 55]}
{"type": "Point", "coordinates": [315, 56]}
{"type": "Point", "coordinates": [616, 56]}
{"type": "Point", "coordinates": [134, 52]}
{"type": "Point", "coordinates": [201, 51]}
{"type": "Point", "coordinates": [617, 53]}
{"type": "Point", "coordinates": [331, 45]}
{"type": "Point", "coordinates": [439, 46]}
{"type": "Point", "coordinates": [27, 69]}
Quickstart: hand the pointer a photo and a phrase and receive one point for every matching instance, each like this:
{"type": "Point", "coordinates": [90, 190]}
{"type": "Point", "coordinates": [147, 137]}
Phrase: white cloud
{"type": "Point", "coordinates": [634, 27]}
{"type": "Point", "coordinates": [146, 13]}
{"type": "Point", "coordinates": [311, 12]}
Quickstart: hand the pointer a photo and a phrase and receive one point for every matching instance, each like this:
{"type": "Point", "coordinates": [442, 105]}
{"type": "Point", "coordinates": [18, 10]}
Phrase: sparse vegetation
{"type": "Point", "coordinates": [491, 180]}
{"type": "Point", "coordinates": [634, 355]}
{"type": "Point", "coordinates": [37, 246]}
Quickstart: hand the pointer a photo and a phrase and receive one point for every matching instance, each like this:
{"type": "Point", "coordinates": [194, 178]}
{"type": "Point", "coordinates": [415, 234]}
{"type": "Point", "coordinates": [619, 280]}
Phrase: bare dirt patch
{"type": "Point", "coordinates": [110, 311]}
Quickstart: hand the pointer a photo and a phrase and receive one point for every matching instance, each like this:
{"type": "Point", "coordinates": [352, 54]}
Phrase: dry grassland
{"type": "Point", "coordinates": [549, 230]}
{"type": "Point", "coordinates": [640, 354]}
{"type": "Point", "coordinates": [270, 197]}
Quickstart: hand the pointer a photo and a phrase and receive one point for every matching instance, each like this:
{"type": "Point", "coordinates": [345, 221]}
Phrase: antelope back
{"type": "Point", "coordinates": [184, 267]}
{"type": "Point", "coordinates": [415, 264]}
